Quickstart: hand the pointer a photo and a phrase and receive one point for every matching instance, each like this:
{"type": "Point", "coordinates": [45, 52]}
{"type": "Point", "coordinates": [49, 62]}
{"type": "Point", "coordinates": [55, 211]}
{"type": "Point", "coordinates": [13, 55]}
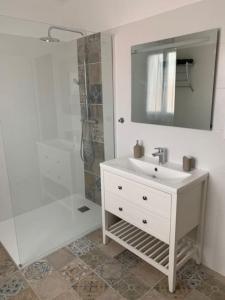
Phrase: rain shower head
{"type": "Point", "coordinates": [50, 39]}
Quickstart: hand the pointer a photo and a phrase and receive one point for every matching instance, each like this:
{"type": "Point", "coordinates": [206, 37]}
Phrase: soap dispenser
{"type": "Point", "coordinates": [138, 150]}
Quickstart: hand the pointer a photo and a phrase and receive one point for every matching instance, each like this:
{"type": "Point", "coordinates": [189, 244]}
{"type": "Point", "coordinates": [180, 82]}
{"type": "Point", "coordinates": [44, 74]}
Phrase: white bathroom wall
{"type": "Point", "coordinates": [207, 146]}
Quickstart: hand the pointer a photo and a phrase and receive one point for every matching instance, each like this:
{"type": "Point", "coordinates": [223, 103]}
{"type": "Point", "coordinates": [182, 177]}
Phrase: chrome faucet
{"type": "Point", "coordinates": [162, 154]}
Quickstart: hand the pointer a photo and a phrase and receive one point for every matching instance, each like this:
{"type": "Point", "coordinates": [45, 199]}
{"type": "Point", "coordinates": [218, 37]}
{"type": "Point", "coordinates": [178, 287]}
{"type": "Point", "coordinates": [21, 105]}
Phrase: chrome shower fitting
{"type": "Point", "coordinates": [50, 39]}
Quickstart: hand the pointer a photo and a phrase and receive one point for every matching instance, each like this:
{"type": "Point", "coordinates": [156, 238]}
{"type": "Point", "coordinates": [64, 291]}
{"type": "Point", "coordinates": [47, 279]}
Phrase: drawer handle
{"type": "Point", "coordinates": [120, 209]}
{"type": "Point", "coordinates": [119, 187]}
{"type": "Point", "coordinates": [144, 198]}
{"type": "Point", "coordinates": [144, 221]}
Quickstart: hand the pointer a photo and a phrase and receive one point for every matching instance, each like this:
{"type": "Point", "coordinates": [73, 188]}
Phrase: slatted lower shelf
{"type": "Point", "coordinates": [149, 248]}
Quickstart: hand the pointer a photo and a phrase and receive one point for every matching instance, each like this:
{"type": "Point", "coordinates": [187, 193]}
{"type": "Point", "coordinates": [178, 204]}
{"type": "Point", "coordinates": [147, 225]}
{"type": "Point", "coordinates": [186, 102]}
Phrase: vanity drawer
{"type": "Point", "coordinates": [145, 220]}
{"type": "Point", "coordinates": [141, 195]}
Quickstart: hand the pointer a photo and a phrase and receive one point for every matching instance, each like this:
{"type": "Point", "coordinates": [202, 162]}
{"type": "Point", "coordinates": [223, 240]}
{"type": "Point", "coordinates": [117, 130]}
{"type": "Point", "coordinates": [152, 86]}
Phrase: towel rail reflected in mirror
{"type": "Point", "coordinates": [173, 81]}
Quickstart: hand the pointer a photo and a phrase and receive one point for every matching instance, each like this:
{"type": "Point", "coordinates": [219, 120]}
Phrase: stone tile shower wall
{"type": "Point", "coordinates": [89, 60]}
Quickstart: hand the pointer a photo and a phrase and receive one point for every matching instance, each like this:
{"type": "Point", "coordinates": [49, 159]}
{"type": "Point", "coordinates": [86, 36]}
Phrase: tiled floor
{"type": "Point", "coordinates": [88, 270]}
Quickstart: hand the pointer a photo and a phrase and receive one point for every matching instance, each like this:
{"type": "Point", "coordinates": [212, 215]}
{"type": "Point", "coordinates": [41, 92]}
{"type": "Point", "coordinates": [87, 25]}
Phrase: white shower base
{"type": "Point", "coordinates": [43, 230]}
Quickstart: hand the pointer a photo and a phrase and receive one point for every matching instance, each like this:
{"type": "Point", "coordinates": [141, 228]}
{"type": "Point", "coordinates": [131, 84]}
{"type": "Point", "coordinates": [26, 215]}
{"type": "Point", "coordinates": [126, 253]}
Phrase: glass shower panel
{"type": "Point", "coordinates": [40, 117]}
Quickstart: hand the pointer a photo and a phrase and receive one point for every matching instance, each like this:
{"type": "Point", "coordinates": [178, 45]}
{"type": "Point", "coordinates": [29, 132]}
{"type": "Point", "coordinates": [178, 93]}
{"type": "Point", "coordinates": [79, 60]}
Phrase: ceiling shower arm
{"type": "Point", "coordinates": [65, 29]}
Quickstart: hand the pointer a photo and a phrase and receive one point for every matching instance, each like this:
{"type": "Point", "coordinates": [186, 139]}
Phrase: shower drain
{"type": "Point", "coordinates": [83, 209]}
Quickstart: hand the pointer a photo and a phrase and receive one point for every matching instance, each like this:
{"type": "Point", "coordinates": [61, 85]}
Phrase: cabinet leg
{"type": "Point", "coordinates": [198, 256]}
{"type": "Point", "coordinates": [105, 239]}
{"type": "Point", "coordinates": [200, 230]}
{"type": "Point", "coordinates": [172, 268]}
{"type": "Point", "coordinates": [172, 283]}
{"type": "Point", "coordinates": [107, 221]}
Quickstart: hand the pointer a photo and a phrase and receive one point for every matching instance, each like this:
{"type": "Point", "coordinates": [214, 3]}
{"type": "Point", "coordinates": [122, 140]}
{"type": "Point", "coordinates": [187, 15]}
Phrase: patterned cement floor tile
{"type": "Point", "coordinates": [95, 236]}
{"type": "Point", "coordinates": [94, 258]}
{"type": "Point", "coordinates": [193, 280]}
{"type": "Point", "coordinates": [153, 295]}
{"type": "Point", "coordinates": [146, 273]}
{"type": "Point", "coordinates": [51, 278]}
{"type": "Point", "coordinates": [68, 295]}
{"type": "Point", "coordinates": [131, 287]}
{"type": "Point", "coordinates": [196, 295]}
{"type": "Point", "coordinates": [182, 289]}
{"type": "Point", "coordinates": [82, 246]}
{"type": "Point", "coordinates": [212, 288]}
{"type": "Point", "coordinates": [193, 295]}
{"type": "Point", "coordinates": [199, 278]}
{"type": "Point", "coordinates": [192, 275]}
{"type": "Point", "coordinates": [27, 294]}
{"type": "Point", "coordinates": [90, 287]}
{"type": "Point", "coordinates": [110, 294]}
{"type": "Point", "coordinates": [128, 259]}
{"type": "Point", "coordinates": [110, 270]}
{"type": "Point", "coordinates": [60, 258]}
{"type": "Point", "coordinates": [75, 271]}
{"type": "Point", "coordinates": [112, 249]}
{"type": "Point", "coordinates": [7, 266]}
{"type": "Point", "coordinates": [12, 285]}
{"type": "Point", "coordinates": [37, 270]}
{"type": "Point", "coordinates": [51, 286]}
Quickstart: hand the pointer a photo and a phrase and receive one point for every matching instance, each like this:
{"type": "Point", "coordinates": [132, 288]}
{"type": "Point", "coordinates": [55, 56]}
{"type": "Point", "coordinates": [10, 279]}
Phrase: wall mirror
{"type": "Point", "coordinates": [173, 81]}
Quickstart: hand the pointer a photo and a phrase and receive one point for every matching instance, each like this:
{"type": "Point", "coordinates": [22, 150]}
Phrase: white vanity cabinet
{"type": "Point", "coordinates": [152, 214]}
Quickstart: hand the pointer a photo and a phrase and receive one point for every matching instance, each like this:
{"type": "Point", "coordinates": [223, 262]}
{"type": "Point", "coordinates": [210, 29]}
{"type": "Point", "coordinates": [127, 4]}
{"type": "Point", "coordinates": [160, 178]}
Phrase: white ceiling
{"type": "Point", "coordinates": [92, 15]}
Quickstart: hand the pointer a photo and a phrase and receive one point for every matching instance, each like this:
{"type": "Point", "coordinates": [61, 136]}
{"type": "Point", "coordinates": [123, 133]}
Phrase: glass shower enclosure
{"type": "Point", "coordinates": [56, 116]}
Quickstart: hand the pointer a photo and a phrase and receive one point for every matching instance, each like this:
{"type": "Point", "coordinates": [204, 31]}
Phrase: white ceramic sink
{"type": "Point", "coordinates": [168, 177]}
{"type": "Point", "coordinates": [156, 171]}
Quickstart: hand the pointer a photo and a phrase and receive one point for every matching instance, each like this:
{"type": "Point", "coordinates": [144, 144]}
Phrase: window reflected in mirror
{"type": "Point", "coordinates": [161, 80]}
{"type": "Point", "coordinates": [173, 81]}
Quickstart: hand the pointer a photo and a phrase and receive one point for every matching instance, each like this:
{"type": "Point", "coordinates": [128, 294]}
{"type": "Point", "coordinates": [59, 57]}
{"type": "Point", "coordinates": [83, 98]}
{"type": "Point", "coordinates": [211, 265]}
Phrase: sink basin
{"type": "Point", "coordinates": [155, 171]}
{"type": "Point", "coordinates": [168, 177]}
